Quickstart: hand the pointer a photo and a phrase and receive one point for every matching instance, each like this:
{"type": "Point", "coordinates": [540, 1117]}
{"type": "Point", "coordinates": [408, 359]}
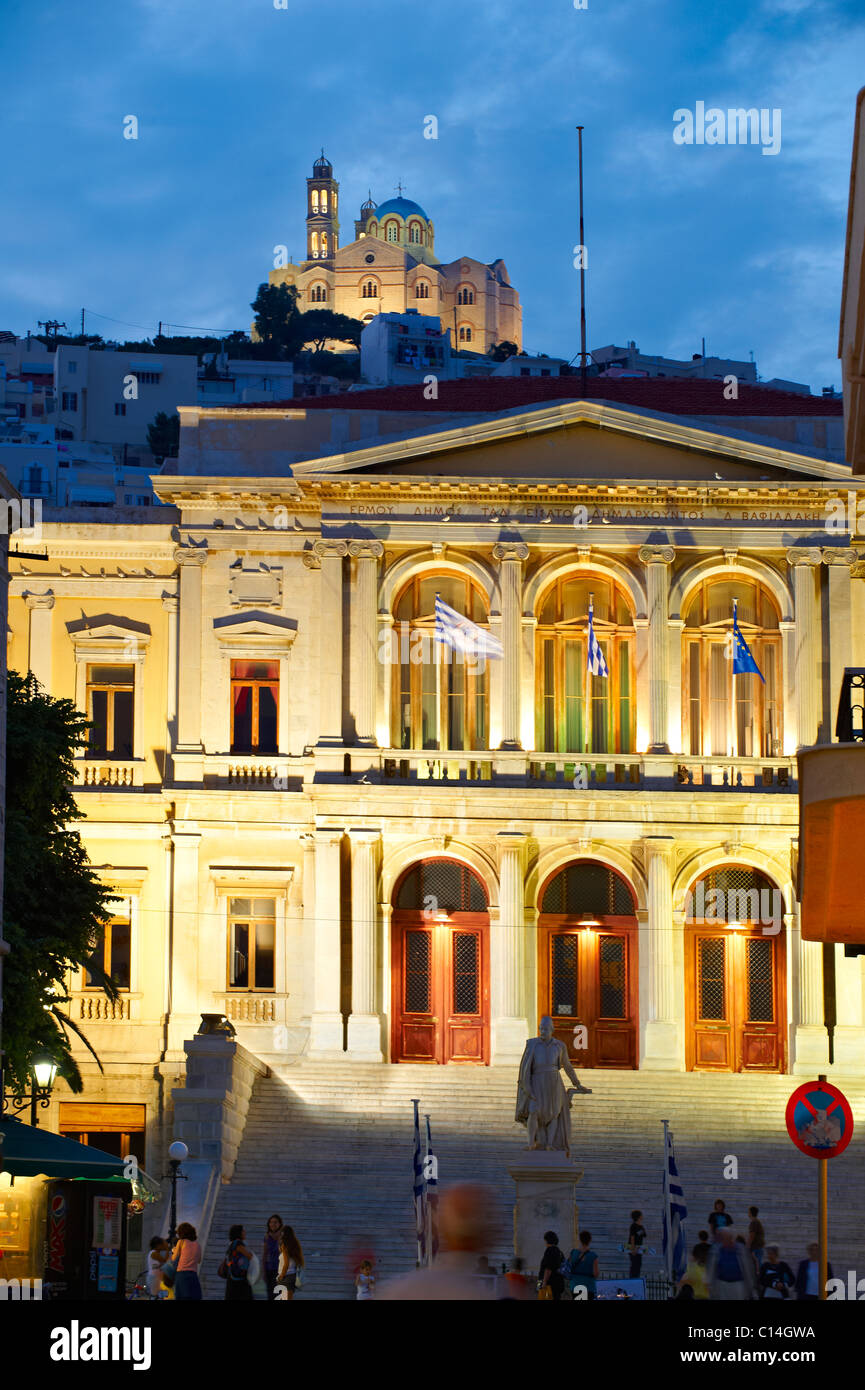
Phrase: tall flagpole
{"type": "Point", "coordinates": [668, 1214]}
{"type": "Point", "coordinates": [439, 725]}
{"type": "Point", "coordinates": [582, 274]}
{"type": "Point", "coordinates": [587, 677]}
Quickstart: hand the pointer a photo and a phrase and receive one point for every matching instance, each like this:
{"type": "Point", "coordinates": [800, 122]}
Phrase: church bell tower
{"type": "Point", "coordinates": [322, 224]}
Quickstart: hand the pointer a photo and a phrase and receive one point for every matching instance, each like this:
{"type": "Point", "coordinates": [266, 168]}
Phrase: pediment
{"type": "Point", "coordinates": [109, 637]}
{"type": "Point", "coordinates": [254, 634]}
{"type": "Point", "coordinates": [581, 441]}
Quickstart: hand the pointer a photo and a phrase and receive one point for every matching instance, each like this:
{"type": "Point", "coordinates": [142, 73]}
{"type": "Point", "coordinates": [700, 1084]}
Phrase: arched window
{"type": "Point", "coordinates": [318, 294]}
{"type": "Point", "coordinates": [313, 244]}
{"type": "Point", "coordinates": [315, 200]}
{"type": "Point", "coordinates": [392, 231]}
{"type": "Point", "coordinates": [465, 295]}
{"type": "Point", "coordinates": [334, 200]}
{"type": "Point", "coordinates": [723, 714]}
{"type": "Point", "coordinates": [415, 233]}
{"type": "Point", "coordinates": [465, 333]}
{"type": "Point", "coordinates": [440, 696]}
{"type": "Point", "coordinates": [367, 318]}
{"type": "Point", "coordinates": [579, 712]}
{"type": "Point", "coordinates": [421, 290]}
{"type": "Point", "coordinates": [369, 290]}
{"type": "Point", "coordinates": [324, 200]}
{"type": "Point", "coordinates": [324, 243]}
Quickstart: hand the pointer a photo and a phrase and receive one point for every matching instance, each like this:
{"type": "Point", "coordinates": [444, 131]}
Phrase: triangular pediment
{"type": "Point", "coordinates": [581, 441]}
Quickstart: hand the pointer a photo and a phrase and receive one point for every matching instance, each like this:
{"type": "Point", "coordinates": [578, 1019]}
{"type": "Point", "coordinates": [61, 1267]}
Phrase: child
{"type": "Point", "coordinates": [158, 1256]}
{"type": "Point", "coordinates": [365, 1282]}
{"type": "Point", "coordinates": [636, 1240]}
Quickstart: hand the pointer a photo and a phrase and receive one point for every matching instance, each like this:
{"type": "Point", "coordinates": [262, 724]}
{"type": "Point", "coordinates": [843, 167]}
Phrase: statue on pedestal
{"type": "Point", "coordinates": [543, 1105]}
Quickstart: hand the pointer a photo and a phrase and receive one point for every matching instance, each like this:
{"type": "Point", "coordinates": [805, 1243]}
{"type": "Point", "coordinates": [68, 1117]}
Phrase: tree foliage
{"type": "Point", "coordinates": [163, 436]}
{"type": "Point", "coordinates": [285, 331]}
{"type": "Point", "coordinates": [54, 908]}
{"type": "Point", "coordinates": [500, 352]}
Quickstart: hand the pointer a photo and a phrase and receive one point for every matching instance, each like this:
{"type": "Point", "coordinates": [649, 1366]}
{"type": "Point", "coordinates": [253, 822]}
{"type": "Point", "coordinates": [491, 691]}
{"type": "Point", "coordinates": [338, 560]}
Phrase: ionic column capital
{"type": "Point", "coordinates": [841, 555]}
{"type": "Point", "coordinates": [806, 555]}
{"type": "Point", "coordinates": [170, 602]}
{"type": "Point", "coordinates": [45, 600]}
{"type": "Point", "coordinates": [365, 550]}
{"type": "Point", "coordinates": [191, 555]}
{"type": "Point", "coordinates": [361, 835]}
{"type": "Point", "coordinates": [330, 548]}
{"type": "Point", "coordinates": [657, 846]}
{"type": "Point", "coordinates": [656, 554]}
{"type": "Point", "coordinates": [510, 550]}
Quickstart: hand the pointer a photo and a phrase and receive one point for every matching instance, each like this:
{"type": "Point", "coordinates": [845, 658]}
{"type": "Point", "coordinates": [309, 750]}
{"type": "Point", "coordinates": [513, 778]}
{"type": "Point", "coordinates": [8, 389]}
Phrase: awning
{"type": "Point", "coordinates": [28, 1152]}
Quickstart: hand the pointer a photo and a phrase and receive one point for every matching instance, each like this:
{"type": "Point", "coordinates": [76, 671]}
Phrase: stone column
{"type": "Point", "coordinates": [39, 656]}
{"type": "Point", "coordinates": [171, 604]}
{"type": "Point", "coordinates": [330, 555]}
{"type": "Point", "coordinates": [308, 890]}
{"type": "Point", "coordinates": [810, 1037]}
{"type": "Point", "coordinates": [837, 644]}
{"type": "Point", "coordinates": [791, 710]}
{"type": "Point", "coordinates": [325, 1038]}
{"type": "Point", "coordinates": [366, 555]}
{"type": "Point", "coordinates": [661, 1043]}
{"type": "Point", "coordinates": [191, 560]}
{"type": "Point", "coordinates": [364, 1024]}
{"type": "Point", "coordinates": [509, 1021]}
{"type": "Point", "coordinates": [804, 566]}
{"type": "Point", "coordinates": [511, 557]}
{"type": "Point", "coordinates": [657, 559]}
{"type": "Point", "coordinates": [185, 1007]}
{"type": "Point", "coordinates": [849, 1038]}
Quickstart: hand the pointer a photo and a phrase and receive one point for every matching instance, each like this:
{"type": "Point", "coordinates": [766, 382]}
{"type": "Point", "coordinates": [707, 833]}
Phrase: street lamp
{"type": "Point", "coordinates": [43, 1070]}
{"type": "Point", "coordinates": [177, 1154]}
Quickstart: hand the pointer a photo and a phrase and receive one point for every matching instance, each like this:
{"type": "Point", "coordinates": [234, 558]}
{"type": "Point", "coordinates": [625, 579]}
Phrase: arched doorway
{"type": "Point", "coordinates": [587, 967]}
{"type": "Point", "coordinates": [735, 972]}
{"type": "Point", "coordinates": [440, 965]}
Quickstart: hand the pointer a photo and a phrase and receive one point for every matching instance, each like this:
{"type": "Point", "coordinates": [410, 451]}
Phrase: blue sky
{"type": "Point", "coordinates": [235, 98]}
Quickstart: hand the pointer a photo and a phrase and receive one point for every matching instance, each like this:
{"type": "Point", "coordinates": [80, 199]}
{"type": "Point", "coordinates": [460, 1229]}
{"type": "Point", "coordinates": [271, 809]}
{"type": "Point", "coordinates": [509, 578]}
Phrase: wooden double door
{"type": "Point", "coordinates": [735, 986]}
{"type": "Point", "coordinates": [441, 992]}
{"type": "Point", "coordinates": [588, 986]}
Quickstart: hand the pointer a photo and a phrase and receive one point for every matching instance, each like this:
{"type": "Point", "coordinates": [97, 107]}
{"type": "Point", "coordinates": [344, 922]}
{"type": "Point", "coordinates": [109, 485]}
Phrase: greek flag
{"type": "Point", "coordinates": [675, 1211]}
{"type": "Point", "coordinates": [431, 1176]}
{"type": "Point", "coordinates": [597, 664]}
{"type": "Point", "coordinates": [419, 1189]}
{"type": "Point", "coordinates": [743, 662]}
{"type": "Point", "coordinates": [462, 634]}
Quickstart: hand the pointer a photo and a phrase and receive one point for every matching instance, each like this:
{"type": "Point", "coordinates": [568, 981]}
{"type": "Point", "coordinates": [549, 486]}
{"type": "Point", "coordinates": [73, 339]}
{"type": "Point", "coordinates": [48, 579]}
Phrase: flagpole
{"type": "Point", "coordinates": [668, 1213]}
{"type": "Point", "coordinates": [439, 730]}
{"type": "Point", "coordinates": [734, 712]}
{"type": "Point", "coordinates": [588, 673]}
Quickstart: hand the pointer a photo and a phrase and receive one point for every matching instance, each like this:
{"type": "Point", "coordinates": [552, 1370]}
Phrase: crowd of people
{"type": "Point", "coordinates": [174, 1273]}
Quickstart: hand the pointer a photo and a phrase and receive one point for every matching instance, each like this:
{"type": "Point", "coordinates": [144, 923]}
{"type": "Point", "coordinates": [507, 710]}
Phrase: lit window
{"type": "Point", "coordinates": [422, 290]}
{"type": "Point", "coordinates": [570, 718]}
{"type": "Point", "coordinates": [110, 706]}
{"type": "Point", "coordinates": [392, 231]}
{"type": "Point", "coordinates": [251, 943]}
{"type": "Point", "coordinates": [324, 243]}
{"type": "Point", "coordinates": [440, 698]}
{"type": "Point", "coordinates": [313, 243]}
{"type": "Point", "coordinates": [369, 290]}
{"type": "Point", "coordinates": [324, 200]}
{"type": "Point", "coordinates": [254, 701]}
{"type": "Point", "coordinates": [465, 334]}
{"type": "Point", "coordinates": [113, 955]}
{"type": "Point", "coordinates": [315, 200]}
{"type": "Point", "coordinates": [465, 296]}
{"type": "Point", "coordinates": [414, 234]}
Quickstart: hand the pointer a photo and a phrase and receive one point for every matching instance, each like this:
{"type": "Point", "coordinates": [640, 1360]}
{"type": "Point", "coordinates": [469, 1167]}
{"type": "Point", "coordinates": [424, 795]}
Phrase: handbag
{"type": "Point", "coordinates": [545, 1293]}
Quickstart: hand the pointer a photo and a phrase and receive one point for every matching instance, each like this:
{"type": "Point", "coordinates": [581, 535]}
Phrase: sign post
{"type": "Point", "coordinates": [820, 1123]}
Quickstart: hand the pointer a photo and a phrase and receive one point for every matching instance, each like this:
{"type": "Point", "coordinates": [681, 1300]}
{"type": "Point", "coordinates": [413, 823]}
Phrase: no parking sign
{"type": "Point", "coordinates": [819, 1119]}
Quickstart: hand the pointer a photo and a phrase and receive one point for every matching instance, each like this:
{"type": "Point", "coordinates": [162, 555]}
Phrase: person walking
{"type": "Point", "coordinates": [290, 1262]}
{"type": "Point", "coordinates": [584, 1268]}
{"type": "Point", "coordinates": [730, 1270]}
{"type": "Point", "coordinates": [808, 1275]}
{"type": "Point", "coordinates": [270, 1253]}
{"type": "Point", "coordinates": [548, 1273]}
{"type": "Point", "coordinates": [776, 1278]}
{"type": "Point", "coordinates": [637, 1238]}
{"type": "Point", "coordinates": [365, 1282]}
{"type": "Point", "coordinates": [186, 1256]}
{"type": "Point", "coordinates": [238, 1258]}
{"type": "Point", "coordinates": [719, 1219]}
{"type": "Point", "coordinates": [756, 1236]}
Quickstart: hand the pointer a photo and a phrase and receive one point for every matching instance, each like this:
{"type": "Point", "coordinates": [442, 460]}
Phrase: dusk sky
{"type": "Point", "coordinates": [236, 98]}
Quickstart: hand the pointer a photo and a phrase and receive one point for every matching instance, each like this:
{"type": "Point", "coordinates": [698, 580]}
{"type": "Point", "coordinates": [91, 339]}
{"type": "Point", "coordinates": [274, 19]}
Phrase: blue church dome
{"type": "Point", "coordinates": [403, 207]}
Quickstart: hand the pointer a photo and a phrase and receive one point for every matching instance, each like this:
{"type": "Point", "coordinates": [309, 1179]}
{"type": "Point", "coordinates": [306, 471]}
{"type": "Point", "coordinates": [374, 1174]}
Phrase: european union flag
{"type": "Point", "coordinates": [743, 662]}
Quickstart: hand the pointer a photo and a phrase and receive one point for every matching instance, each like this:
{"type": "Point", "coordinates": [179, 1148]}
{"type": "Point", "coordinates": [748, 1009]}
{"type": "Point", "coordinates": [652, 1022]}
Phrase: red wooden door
{"type": "Point", "coordinates": [440, 988]}
{"type": "Point", "coordinates": [737, 1001]}
{"type": "Point", "coordinates": [588, 987]}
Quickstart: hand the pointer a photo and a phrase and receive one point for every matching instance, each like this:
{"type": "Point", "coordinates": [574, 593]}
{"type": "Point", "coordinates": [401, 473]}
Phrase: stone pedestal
{"type": "Point", "coordinates": [546, 1200]}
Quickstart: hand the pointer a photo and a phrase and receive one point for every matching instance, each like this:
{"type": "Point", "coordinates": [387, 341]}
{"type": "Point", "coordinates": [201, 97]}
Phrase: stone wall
{"type": "Point", "coordinates": [210, 1111]}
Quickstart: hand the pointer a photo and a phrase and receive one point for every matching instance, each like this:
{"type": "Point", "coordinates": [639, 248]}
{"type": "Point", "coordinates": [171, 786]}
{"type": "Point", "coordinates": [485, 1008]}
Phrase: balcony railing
{"type": "Point", "coordinates": [98, 774]}
{"type": "Point", "coordinates": [98, 1008]}
{"type": "Point", "coordinates": [612, 772]}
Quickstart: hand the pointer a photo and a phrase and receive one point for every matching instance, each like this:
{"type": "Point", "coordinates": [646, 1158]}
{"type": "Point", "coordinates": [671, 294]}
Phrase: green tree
{"type": "Point", "coordinates": [163, 436]}
{"type": "Point", "coordinates": [55, 908]}
{"type": "Point", "coordinates": [320, 326]}
{"type": "Point", "coordinates": [500, 352]}
{"type": "Point", "coordinates": [276, 320]}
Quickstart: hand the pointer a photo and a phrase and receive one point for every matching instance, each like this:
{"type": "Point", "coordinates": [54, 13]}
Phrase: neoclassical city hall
{"type": "Point", "coordinates": [359, 844]}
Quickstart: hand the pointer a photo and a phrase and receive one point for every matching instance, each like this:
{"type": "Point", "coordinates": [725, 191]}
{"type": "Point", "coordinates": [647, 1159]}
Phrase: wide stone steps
{"type": "Point", "coordinates": [329, 1146]}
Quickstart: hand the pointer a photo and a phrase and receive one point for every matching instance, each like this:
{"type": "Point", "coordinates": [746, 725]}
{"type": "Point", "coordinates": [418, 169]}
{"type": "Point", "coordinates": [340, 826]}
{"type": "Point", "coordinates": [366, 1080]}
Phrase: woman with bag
{"type": "Point", "coordinates": [550, 1281]}
{"type": "Point", "coordinates": [185, 1259]}
{"type": "Point", "coordinates": [584, 1267]}
{"type": "Point", "coordinates": [235, 1267]}
{"type": "Point", "coordinates": [270, 1253]}
{"type": "Point", "coordinates": [290, 1276]}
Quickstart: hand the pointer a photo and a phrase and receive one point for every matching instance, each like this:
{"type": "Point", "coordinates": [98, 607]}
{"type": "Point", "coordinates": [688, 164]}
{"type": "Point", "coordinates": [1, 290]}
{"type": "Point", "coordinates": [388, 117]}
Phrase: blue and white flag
{"type": "Point", "coordinates": [419, 1189]}
{"type": "Point", "coordinates": [675, 1211]}
{"type": "Point", "coordinates": [743, 662]}
{"type": "Point", "coordinates": [462, 634]}
{"type": "Point", "coordinates": [431, 1176]}
{"type": "Point", "coordinates": [597, 665]}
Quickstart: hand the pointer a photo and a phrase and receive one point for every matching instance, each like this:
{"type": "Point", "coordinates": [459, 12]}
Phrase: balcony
{"type": "Point", "coordinates": [102, 774]}
{"type": "Point", "coordinates": [98, 1008]}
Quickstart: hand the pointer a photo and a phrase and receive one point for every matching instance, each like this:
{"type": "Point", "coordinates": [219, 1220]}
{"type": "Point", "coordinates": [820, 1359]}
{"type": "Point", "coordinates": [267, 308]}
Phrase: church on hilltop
{"type": "Point", "coordinates": [391, 266]}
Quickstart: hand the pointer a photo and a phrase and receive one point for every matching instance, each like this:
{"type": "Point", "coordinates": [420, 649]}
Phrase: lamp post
{"type": "Point", "coordinates": [177, 1154]}
{"type": "Point", "coordinates": [44, 1071]}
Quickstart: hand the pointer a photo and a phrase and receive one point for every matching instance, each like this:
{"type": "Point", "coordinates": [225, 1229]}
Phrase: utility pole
{"type": "Point", "coordinates": [51, 326]}
{"type": "Point", "coordinates": [82, 325]}
{"type": "Point", "coordinates": [582, 274]}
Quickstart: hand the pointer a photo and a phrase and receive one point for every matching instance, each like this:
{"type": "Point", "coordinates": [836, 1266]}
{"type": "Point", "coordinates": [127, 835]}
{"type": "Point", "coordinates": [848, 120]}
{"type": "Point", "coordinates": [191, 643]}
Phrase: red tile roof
{"type": "Point", "coordinates": [666, 395]}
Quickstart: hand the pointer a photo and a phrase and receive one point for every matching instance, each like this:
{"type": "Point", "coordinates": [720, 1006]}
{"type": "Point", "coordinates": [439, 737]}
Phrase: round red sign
{"type": "Point", "coordinates": [819, 1120]}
